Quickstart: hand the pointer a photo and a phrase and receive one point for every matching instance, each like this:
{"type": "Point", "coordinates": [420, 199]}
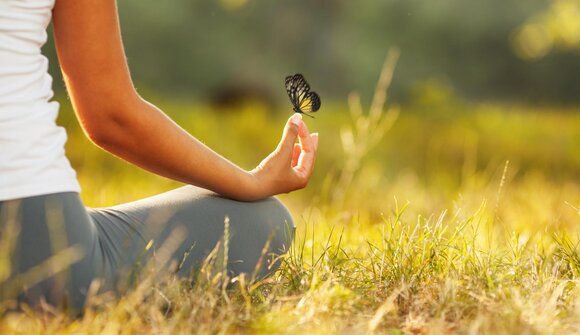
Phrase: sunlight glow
{"type": "Point", "coordinates": [233, 4]}
{"type": "Point", "coordinates": [556, 28]}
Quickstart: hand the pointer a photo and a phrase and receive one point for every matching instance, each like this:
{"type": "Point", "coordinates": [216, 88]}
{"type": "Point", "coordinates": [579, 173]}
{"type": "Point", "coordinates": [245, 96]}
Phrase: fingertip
{"type": "Point", "coordinates": [296, 119]}
{"type": "Point", "coordinates": [314, 137]}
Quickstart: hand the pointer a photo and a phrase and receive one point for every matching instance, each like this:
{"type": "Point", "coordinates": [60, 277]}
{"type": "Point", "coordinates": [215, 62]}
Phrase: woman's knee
{"type": "Point", "coordinates": [281, 226]}
{"type": "Point", "coordinates": [258, 243]}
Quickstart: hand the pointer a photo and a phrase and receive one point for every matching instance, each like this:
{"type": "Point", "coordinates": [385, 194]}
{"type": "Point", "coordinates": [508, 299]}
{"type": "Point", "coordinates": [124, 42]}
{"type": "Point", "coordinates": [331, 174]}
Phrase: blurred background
{"type": "Point", "coordinates": [477, 84]}
{"type": "Point", "coordinates": [495, 49]}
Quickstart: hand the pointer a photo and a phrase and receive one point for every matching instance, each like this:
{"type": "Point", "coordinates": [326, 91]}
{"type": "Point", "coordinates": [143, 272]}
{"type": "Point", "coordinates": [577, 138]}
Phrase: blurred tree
{"type": "Point", "coordinates": [195, 48]}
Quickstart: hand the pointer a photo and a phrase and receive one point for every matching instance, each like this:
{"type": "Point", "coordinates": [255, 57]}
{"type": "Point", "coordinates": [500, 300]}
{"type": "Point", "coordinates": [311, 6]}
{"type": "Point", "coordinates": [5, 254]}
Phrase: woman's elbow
{"type": "Point", "coordinates": [107, 123]}
{"type": "Point", "coordinates": [98, 136]}
{"type": "Point", "coordinates": [105, 131]}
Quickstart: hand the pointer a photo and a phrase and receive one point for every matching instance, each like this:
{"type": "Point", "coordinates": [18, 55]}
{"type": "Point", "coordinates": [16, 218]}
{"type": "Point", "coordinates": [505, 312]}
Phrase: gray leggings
{"type": "Point", "coordinates": [58, 247]}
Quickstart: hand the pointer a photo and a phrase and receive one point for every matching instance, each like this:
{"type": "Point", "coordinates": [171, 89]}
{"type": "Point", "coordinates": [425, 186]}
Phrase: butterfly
{"type": "Point", "coordinates": [303, 100]}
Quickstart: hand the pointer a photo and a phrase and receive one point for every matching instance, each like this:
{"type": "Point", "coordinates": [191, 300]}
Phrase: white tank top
{"type": "Point", "coordinates": [32, 158]}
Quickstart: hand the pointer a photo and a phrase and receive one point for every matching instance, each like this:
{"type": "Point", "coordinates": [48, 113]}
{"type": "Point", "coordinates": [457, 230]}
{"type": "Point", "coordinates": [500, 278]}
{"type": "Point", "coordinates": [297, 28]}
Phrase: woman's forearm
{"type": "Point", "coordinates": [149, 139]}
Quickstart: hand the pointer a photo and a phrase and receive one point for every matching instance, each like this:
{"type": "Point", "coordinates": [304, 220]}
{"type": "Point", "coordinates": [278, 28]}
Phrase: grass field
{"type": "Point", "coordinates": [461, 218]}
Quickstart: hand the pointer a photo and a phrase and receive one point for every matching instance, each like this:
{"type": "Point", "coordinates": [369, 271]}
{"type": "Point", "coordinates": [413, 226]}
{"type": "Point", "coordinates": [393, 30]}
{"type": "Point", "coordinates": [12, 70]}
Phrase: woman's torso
{"type": "Point", "coordinates": [32, 158]}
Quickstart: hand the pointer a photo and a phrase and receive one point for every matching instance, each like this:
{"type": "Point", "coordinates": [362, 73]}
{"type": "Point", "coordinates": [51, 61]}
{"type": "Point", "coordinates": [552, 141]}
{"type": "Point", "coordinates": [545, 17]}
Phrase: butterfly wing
{"type": "Point", "coordinates": [297, 87]}
{"type": "Point", "coordinates": [302, 99]}
{"type": "Point", "coordinates": [310, 103]}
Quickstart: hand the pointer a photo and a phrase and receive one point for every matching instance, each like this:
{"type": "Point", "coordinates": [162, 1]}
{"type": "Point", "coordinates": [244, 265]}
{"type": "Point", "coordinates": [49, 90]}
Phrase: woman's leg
{"type": "Point", "coordinates": [184, 225]}
{"type": "Point", "coordinates": [48, 248]}
{"type": "Point", "coordinates": [56, 248]}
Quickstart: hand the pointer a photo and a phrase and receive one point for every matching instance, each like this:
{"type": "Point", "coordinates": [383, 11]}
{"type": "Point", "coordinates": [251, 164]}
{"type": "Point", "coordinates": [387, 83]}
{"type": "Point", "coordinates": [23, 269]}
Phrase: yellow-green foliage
{"type": "Point", "coordinates": [436, 233]}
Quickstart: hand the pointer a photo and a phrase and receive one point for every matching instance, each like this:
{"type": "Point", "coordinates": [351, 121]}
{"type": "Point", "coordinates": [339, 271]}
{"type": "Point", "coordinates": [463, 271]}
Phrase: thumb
{"type": "Point", "coordinates": [290, 134]}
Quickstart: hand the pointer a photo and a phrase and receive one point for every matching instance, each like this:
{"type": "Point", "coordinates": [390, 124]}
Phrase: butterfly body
{"type": "Point", "coordinates": [303, 100]}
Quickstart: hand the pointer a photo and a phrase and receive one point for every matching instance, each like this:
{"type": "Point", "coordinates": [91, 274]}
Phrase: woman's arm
{"type": "Point", "coordinates": [115, 117]}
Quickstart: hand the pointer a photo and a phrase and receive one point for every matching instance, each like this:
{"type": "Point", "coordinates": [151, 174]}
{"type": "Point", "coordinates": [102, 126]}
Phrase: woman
{"type": "Point", "coordinates": [44, 226]}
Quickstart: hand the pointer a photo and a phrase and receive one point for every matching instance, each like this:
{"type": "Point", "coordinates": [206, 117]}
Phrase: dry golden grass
{"type": "Point", "coordinates": [434, 231]}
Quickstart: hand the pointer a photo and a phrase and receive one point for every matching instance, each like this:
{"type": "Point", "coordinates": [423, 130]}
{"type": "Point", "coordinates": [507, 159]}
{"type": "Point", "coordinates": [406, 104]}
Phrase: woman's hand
{"type": "Point", "coordinates": [290, 166]}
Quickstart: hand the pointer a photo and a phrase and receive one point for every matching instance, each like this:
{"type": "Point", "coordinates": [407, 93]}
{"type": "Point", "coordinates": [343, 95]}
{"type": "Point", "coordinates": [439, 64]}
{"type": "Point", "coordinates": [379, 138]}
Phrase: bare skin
{"type": "Point", "coordinates": [116, 118]}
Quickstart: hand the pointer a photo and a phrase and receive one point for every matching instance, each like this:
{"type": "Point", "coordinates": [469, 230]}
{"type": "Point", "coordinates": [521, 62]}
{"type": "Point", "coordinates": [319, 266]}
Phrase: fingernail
{"type": "Point", "coordinates": [296, 118]}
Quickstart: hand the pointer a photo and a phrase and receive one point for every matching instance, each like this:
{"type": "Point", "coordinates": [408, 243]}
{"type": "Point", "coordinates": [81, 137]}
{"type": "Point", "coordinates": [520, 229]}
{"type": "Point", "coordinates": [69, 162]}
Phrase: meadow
{"type": "Point", "coordinates": [439, 216]}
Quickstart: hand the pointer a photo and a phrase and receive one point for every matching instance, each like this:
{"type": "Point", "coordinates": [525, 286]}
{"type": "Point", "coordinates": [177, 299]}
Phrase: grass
{"type": "Point", "coordinates": [462, 219]}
